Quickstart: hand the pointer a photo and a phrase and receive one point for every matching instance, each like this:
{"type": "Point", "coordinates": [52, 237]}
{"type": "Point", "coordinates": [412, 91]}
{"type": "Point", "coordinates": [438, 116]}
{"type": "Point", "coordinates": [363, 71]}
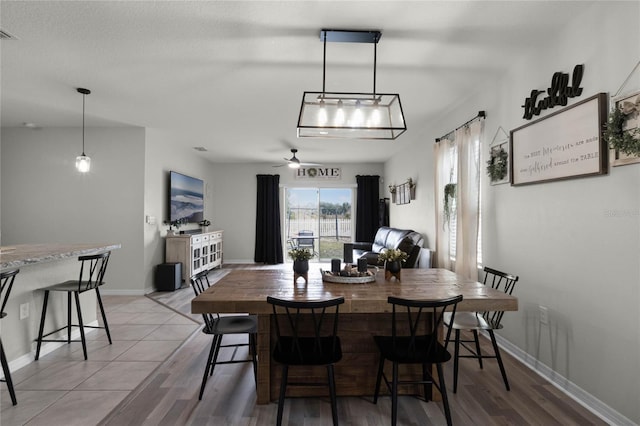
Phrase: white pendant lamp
{"type": "Point", "coordinates": [83, 162]}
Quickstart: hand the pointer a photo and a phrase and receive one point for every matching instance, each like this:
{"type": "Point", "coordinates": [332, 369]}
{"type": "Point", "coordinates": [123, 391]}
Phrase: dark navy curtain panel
{"type": "Point", "coordinates": [268, 232]}
{"type": "Point", "coordinates": [368, 197]}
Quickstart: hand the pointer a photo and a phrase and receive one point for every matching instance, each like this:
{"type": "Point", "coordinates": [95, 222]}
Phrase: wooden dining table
{"type": "Point", "coordinates": [365, 313]}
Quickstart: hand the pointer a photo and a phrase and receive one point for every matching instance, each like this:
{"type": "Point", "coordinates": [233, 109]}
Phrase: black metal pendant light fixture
{"type": "Point", "coordinates": [350, 115]}
{"type": "Point", "coordinates": [83, 162]}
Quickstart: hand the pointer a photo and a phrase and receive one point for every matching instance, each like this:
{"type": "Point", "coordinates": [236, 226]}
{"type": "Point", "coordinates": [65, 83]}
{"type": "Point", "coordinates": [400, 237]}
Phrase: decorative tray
{"type": "Point", "coordinates": [328, 276]}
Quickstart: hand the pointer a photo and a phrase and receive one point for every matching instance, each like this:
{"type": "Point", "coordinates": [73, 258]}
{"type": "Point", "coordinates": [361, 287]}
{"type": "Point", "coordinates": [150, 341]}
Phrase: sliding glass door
{"type": "Point", "coordinates": [320, 219]}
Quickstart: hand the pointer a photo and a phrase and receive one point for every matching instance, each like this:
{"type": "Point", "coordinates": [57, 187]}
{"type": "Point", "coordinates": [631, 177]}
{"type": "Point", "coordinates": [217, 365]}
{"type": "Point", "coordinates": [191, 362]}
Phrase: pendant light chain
{"type": "Point", "coordinates": [375, 60]}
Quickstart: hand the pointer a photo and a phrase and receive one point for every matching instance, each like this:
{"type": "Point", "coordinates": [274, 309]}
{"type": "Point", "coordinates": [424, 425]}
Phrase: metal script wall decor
{"type": "Point", "coordinates": [557, 94]}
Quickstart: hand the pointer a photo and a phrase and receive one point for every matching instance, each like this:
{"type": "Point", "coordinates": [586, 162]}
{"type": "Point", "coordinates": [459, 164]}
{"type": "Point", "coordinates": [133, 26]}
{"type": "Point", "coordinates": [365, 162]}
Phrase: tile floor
{"type": "Point", "coordinates": [64, 389]}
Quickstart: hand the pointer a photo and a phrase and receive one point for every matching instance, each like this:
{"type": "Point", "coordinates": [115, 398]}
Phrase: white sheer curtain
{"type": "Point", "coordinates": [458, 161]}
{"type": "Point", "coordinates": [446, 162]}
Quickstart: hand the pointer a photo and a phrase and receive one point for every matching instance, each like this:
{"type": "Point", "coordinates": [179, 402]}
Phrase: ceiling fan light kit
{"type": "Point", "coordinates": [350, 115]}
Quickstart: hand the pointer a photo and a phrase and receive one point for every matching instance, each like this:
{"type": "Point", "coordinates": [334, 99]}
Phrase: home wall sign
{"type": "Point", "coordinates": [558, 94]}
{"type": "Point", "coordinates": [318, 173]}
{"type": "Point", "coordinates": [563, 145]}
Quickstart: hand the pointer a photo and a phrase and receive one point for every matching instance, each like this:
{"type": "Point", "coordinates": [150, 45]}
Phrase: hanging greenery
{"type": "Point", "coordinates": [497, 164]}
{"type": "Point", "coordinates": [625, 141]}
{"type": "Point", "coordinates": [449, 196]}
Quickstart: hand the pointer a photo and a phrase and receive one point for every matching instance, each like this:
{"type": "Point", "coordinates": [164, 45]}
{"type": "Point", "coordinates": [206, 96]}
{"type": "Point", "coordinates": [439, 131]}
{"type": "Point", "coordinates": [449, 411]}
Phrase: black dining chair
{"type": "Point", "coordinates": [480, 321]}
{"type": "Point", "coordinates": [307, 335]}
{"type": "Point", "coordinates": [91, 278]}
{"type": "Point", "coordinates": [415, 325]}
{"type": "Point", "coordinates": [219, 326]}
{"type": "Point", "coordinates": [6, 283]}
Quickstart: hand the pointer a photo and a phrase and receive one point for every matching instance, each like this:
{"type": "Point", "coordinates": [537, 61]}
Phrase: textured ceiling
{"type": "Point", "coordinates": [229, 75]}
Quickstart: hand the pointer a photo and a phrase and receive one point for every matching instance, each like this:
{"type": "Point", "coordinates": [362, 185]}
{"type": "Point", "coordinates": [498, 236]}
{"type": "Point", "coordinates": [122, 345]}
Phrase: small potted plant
{"type": "Point", "coordinates": [393, 259]}
{"type": "Point", "coordinates": [177, 224]}
{"type": "Point", "coordinates": [300, 258]}
{"type": "Point", "coordinates": [204, 224]}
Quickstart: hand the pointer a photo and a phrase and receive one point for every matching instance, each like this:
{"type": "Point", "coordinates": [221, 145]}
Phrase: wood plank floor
{"type": "Point", "coordinates": [170, 395]}
{"type": "Point", "coordinates": [167, 394]}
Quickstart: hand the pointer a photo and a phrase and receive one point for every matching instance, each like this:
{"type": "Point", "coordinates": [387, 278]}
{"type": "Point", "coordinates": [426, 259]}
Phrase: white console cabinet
{"type": "Point", "coordinates": [196, 252]}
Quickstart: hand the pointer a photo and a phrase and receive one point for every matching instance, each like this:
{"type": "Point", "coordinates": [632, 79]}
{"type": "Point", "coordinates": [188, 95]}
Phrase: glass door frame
{"type": "Point", "coordinates": [318, 187]}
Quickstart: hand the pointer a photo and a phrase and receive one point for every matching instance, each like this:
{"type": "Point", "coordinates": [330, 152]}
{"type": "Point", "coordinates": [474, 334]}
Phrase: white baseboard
{"type": "Point", "coordinates": [575, 392]}
{"type": "Point", "coordinates": [47, 347]}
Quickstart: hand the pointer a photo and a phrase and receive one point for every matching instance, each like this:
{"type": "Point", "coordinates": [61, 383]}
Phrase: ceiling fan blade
{"type": "Point", "coordinates": [310, 164]}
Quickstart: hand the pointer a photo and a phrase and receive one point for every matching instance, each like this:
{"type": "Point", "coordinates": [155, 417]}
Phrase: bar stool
{"type": "Point", "coordinates": [92, 270]}
{"type": "Point", "coordinates": [6, 282]}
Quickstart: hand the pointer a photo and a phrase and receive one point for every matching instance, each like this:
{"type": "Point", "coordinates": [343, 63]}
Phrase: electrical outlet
{"type": "Point", "coordinates": [544, 314]}
{"type": "Point", "coordinates": [24, 311]}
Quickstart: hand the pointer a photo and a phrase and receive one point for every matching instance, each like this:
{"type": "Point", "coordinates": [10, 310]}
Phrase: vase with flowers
{"type": "Point", "coordinates": [300, 258]}
{"type": "Point", "coordinates": [393, 260]}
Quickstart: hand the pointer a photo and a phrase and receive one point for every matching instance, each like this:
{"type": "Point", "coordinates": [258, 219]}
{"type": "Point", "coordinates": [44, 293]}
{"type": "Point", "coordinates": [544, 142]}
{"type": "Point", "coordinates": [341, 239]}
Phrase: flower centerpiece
{"type": "Point", "coordinates": [300, 258]}
{"type": "Point", "coordinates": [204, 224]}
{"type": "Point", "coordinates": [393, 259]}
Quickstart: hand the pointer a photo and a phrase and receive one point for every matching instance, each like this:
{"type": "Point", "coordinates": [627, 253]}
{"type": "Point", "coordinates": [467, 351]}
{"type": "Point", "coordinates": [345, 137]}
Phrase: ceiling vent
{"type": "Point", "coordinates": [6, 36]}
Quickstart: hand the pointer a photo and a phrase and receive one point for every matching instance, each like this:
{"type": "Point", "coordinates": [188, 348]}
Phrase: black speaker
{"type": "Point", "coordinates": [168, 276]}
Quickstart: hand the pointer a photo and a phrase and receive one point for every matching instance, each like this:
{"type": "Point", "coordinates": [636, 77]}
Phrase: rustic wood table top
{"type": "Point", "coordinates": [247, 291]}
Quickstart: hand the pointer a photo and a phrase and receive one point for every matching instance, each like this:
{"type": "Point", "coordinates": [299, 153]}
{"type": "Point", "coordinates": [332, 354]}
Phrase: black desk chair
{"type": "Point", "coordinates": [418, 345]}
{"type": "Point", "coordinates": [219, 326]}
{"type": "Point", "coordinates": [92, 270]}
{"type": "Point", "coordinates": [6, 283]}
{"type": "Point", "coordinates": [307, 334]}
{"type": "Point", "coordinates": [476, 321]}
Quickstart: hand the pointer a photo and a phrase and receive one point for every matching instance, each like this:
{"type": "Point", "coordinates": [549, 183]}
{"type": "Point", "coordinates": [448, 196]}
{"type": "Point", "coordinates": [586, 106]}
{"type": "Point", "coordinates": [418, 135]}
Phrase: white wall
{"type": "Point", "coordinates": [234, 189]}
{"type": "Point", "coordinates": [162, 156]}
{"type": "Point", "coordinates": [44, 198]}
{"type": "Point", "coordinates": [572, 254]}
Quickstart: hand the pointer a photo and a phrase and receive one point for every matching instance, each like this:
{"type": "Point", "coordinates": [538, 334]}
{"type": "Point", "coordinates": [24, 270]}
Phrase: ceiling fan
{"type": "Point", "coordinates": [294, 162]}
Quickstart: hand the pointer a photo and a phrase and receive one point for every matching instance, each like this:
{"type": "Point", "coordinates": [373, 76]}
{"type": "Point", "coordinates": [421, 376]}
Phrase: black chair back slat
{"type": "Point", "coordinates": [199, 283]}
{"type": "Point", "coordinates": [297, 339]}
{"type": "Point", "coordinates": [92, 271]}
{"type": "Point", "coordinates": [6, 283]}
{"type": "Point", "coordinates": [414, 314]}
{"type": "Point", "coordinates": [500, 281]}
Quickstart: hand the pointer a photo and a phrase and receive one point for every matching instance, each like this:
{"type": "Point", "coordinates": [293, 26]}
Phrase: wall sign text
{"type": "Point", "coordinates": [558, 94]}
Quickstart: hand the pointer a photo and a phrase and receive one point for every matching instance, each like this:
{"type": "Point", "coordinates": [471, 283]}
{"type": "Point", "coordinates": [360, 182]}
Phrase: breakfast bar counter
{"type": "Point", "coordinates": [17, 256]}
{"type": "Point", "coordinates": [41, 265]}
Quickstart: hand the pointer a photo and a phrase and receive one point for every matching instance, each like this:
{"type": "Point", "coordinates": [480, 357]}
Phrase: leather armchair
{"type": "Point", "coordinates": [387, 238]}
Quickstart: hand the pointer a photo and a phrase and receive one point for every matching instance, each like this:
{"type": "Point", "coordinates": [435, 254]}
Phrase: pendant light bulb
{"type": "Point", "coordinates": [322, 113]}
{"type": "Point", "coordinates": [375, 114]}
{"type": "Point", "coordinates": [83, 162]}
{"type": "Point", "coordinates": [357, 119]}
{"type": "Point", "coordinates": [339, 120]}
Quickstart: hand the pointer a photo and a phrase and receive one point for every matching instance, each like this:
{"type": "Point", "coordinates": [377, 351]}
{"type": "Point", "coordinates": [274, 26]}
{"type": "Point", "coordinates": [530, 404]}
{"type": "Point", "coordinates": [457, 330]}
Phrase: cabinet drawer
{"type": "Point", "coordinates": [216, 235]}
{"type": "Point", "coordinates": [205, 238]}
{"type": "Point", "coordinates": [196, 239]}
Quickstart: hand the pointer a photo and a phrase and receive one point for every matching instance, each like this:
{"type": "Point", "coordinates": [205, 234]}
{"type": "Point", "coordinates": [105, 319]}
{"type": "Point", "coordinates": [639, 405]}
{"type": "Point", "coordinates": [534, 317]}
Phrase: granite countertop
{"type": "Point", "coordinates": [19, 255]}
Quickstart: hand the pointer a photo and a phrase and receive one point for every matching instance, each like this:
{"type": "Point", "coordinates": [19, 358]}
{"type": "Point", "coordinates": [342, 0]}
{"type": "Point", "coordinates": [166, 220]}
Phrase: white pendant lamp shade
{"type": "Point", "coordinates": [83, 162]}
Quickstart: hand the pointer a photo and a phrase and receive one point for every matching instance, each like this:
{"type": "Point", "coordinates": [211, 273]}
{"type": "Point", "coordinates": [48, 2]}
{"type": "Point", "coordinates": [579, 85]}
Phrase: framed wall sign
{"type": "Point", "coordinates": [563, 145]}
{"type": "Point", "coordinates": [629, 105]}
